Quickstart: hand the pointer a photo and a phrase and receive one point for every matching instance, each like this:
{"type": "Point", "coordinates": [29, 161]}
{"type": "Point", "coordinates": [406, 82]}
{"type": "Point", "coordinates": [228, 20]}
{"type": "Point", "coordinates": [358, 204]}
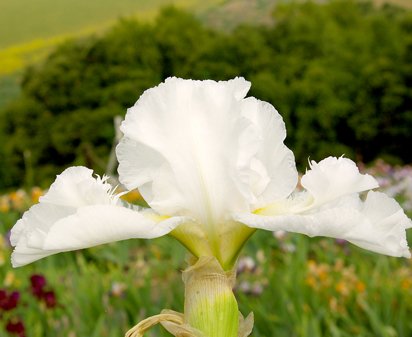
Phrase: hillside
{"type": "Point", "coordinates": [31, 29]}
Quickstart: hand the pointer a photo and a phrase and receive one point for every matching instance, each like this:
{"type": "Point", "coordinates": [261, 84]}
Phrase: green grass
{"type": "Point", "coordinates": [309, 288]}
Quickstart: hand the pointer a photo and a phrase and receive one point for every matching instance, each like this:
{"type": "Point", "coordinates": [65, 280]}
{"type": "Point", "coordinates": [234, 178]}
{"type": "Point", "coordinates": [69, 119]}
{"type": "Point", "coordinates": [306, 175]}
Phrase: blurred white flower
{"type": "Point", "coordinates": [246, 264]}
{"type": "Point", "coordinates": [280, 235]}
{"type": "Point", "coordinates": [213, 167]}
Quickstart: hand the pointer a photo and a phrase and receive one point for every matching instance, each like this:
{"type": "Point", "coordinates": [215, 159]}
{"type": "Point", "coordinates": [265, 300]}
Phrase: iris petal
{"type": "Point", "coordinates": [80, 211]}
{"type": "Point", "coordinates": [189, 130]}
{"type": "Point", "coordinates": [378, 231]}
{"type": "Point", "coordinates": [199, 148]}
{"type": "Point", "coordinates": [273, 157]}
{"type": "Point", "coordinates": [332, 207]}
{"type": "Point", "coordinates": [334, 177]}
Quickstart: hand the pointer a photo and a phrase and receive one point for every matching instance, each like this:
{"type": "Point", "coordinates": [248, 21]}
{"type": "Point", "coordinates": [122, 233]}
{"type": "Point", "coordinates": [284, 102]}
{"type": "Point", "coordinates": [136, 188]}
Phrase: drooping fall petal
{"type": "Point", "coordinates": [331, 206]}
{"type": "Point", "coordinates": [81, 211]}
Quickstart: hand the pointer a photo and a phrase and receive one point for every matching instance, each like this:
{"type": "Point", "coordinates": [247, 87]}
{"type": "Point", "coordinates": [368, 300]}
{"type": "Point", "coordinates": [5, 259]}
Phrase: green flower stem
{"type": "Point", "coordinates": [211, 309]}
{"type": "Point", "coordinates": [210, 305]}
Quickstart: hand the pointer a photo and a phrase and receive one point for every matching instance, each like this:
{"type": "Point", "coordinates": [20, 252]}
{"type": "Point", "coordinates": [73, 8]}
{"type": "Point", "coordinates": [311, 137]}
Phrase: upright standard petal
{"type": "Point", "coordinates": [331, 206]}
{"type": "Point", "coordinates": [333, 178]}
{"type": "Point", "coordinates": [81, 211]}
{"type": "Point", "coordinates": [199, 148]}
{"type": "Point", "coordinates": [186, 134]}
{"type": "Point", "coordinates": [273, 171]}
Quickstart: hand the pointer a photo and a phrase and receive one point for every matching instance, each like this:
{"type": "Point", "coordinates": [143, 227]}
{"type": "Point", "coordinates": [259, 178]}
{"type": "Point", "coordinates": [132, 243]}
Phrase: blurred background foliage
{"type": "Point", "coordinates": [340, 74]}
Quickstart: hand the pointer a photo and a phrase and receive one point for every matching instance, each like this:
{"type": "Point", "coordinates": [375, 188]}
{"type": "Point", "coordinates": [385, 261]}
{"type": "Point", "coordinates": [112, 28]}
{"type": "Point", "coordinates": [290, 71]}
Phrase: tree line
{"type": "Point", "coordinates": [340, 74]}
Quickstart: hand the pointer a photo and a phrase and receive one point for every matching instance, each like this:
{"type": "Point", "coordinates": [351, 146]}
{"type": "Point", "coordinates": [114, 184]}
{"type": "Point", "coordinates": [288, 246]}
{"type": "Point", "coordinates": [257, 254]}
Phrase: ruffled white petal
{"type": "Point", "coordinates": [377, 224]}
{"type": "Point", "coordinates": [198, 148]}
{"type": "Point", "coordinates": [22, 255]}
{"type": "Point", "coordinates": [331, 206]}
{"type": "Point", "coordinates": [81, 211]}
{"type": "Point", "coordinates": [333, 178]}
{"type": "Point", "coordinates": [274, 163]}
{"type": "Point", "coordinates": [76, 187]}
{"type": "Point", "coordinates": [189, 133]}
{"type": "Point", "coordinates": [95, 225]}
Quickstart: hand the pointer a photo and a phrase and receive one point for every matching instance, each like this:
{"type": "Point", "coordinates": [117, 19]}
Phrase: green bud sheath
{"type": "Point", "coordinates": [210, 305]}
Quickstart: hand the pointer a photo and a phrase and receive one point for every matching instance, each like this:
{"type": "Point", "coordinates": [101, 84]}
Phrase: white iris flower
{"type": "Point", "coordinates": [213, 168]}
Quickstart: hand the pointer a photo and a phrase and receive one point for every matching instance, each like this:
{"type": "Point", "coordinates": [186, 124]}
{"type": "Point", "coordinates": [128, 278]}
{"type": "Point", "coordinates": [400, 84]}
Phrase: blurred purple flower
{"type": "Point", "coordinates": [9, 301]}
{"type": "Point", "coordinates": [341, 242]}
{"type": "Point", "coordinates": [49, 298]}
{"type": "Point", "coordinates": [16, 328]}
{"type": "Point", "coordinates": [38, 282]}
{"type": "Point", "coordinates": [246, 264]}
{"type": "Point", "coordinates": [344, 245]}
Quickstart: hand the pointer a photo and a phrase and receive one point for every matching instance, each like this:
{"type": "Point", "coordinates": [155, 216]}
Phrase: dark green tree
{"type": "Point", "coordinates": [339, 72]}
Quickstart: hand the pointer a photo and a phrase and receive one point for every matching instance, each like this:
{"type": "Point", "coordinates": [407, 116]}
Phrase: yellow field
{"type": "Point", "coordinates": [21, 47]}
{"type": "Point", "coordinates": [33, 28]}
